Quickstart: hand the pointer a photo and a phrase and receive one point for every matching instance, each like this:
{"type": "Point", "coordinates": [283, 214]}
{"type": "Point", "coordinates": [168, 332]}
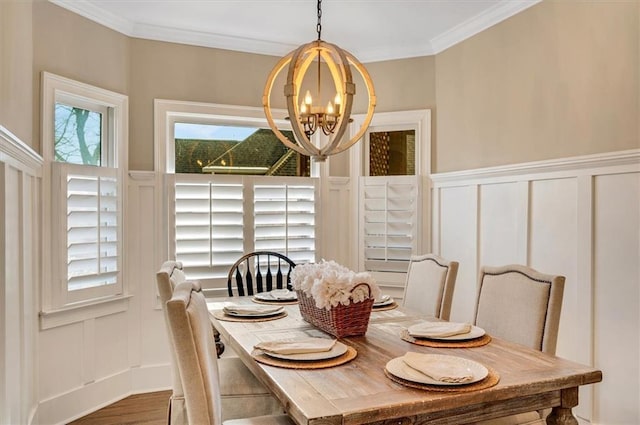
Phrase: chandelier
{"type": "Point", "coordinates": [307, 114]}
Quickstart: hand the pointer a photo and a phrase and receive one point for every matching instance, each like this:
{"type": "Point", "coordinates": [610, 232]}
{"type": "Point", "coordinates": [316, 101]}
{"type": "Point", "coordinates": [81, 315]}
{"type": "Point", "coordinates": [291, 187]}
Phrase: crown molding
{"type": "Point", "coordinates": [496, 14]}
{"type": "Point", "coordinates": [97, 14]}
{"type": "Point", "coordinates": [501, 11]}
{"type": "Point", "coordinates": [207, 39]}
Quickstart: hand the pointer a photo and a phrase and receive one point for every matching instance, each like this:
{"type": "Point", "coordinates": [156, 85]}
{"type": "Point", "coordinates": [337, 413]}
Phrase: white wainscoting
{"type": "Point", "coordinates": [578, 217]}
{"type": "Point", "coordinates": [20, 274]}
{"type": "Point", "coordinates": [101, 358]}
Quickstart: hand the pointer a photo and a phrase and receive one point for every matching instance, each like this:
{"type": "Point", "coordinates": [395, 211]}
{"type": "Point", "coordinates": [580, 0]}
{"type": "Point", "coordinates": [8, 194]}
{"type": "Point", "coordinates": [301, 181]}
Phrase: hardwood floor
{"type": "Point", "coordinates": [143, 409]}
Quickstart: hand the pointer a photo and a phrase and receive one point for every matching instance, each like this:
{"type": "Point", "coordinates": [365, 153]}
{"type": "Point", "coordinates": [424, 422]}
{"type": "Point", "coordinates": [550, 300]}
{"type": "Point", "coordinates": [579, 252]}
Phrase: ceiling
{"type": "Point", "coordinates": [372, 30]}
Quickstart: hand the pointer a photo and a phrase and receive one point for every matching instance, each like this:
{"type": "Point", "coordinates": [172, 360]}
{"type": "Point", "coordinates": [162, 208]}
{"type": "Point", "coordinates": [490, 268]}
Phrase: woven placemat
{"type": "Point", "coordinates": [275, 302]}
{"type": "Point", "coordinates": [259, 356]}
{"type": "Point", "coordinates": [489, 381]}
{"type": "Point", "coordinates": [385, 307]}
{"type": "Point", "coordinates": [219, 314]}
{"type": "Point", "coordinates": [466, 343]}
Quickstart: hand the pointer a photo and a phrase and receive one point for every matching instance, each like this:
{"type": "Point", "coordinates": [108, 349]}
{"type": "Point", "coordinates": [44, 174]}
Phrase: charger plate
{"type": "Point", "coordinates": [464, 343]}
{"type": "Point", "coordinates": [385, 307]}
{"type": "Point", "coordinates": [263, 358]}
{"type": "Point", "coordinates": [489, 381]}
{"type": "Point", "coordinates": [220, 315]}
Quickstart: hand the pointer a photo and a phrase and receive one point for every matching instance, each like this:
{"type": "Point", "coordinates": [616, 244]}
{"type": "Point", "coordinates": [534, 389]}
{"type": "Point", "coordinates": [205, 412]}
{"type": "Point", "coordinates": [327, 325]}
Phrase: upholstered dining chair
{"type": "Point", "coordinates": [241, 393]}
{"type": "Point", "coordinates": [260, 271]}
{"type": "Point", "coordinates": [194, 348]}
{"type": "Point", "coordinates": [521, 305]}
{"type": "Point", "coordinates": [429, 285]}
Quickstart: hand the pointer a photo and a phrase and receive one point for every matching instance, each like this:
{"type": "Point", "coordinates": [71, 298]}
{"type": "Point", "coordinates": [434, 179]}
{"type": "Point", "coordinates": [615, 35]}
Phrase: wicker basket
{"type": "Point", "coordinates": [339, 321]}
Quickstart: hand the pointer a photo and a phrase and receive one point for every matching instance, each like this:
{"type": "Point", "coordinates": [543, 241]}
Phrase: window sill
{"type": "Point", "coordinates": [78, 313]}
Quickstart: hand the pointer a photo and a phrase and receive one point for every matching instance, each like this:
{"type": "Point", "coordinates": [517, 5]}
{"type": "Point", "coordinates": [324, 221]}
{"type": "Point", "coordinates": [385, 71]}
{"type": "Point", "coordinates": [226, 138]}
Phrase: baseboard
{"type": "Point", "coordinates": [74, 404]}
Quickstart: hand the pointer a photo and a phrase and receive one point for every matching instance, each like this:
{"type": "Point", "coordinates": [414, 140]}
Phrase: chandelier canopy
{"type": "Point", "coordinates": [306, 113]}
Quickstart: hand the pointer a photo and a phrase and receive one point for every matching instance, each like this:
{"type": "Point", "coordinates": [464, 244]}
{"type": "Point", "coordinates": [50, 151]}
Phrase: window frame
{"type": "Point", "coordinates": [56, 294]}
{"type": "Point", "coordinates": [420, 122]}
{"type": "Point", "coordinates": [169, 112]}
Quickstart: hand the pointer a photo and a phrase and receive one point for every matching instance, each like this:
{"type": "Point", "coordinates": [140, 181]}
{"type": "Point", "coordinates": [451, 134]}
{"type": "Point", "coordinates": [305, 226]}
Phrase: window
{"type": "Point", "coordinates": [393, 165]}
{"type": "Point", "coordinates": [232, 188]}
{"type": "Point", "coordinates": [224, 149]}
{"type": "Point", "coordinates": [84, 147]}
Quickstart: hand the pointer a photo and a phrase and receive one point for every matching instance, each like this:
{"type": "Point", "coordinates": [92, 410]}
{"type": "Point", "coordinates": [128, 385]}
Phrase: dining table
{"type": "Point", "coordinates": [362, 391]}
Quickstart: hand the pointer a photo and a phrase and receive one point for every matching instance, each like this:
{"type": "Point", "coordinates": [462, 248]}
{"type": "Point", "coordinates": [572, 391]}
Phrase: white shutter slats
{"type": "Point", "coordinates": [92, 238]}
{"type": "Point", "coordinates": [390, 222]}
{"type": "Point", "coordinates": [213, 229]}
{"type": "Point", "coordinates": [284, 217]}
{"type": "Point", "coordinates": [209, 226]}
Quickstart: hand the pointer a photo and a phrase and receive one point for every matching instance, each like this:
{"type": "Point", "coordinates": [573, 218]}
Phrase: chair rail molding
{"type": "Point", "coordinates": [578, 217]}
{"type": "Point", "coordinates": [15, 152]}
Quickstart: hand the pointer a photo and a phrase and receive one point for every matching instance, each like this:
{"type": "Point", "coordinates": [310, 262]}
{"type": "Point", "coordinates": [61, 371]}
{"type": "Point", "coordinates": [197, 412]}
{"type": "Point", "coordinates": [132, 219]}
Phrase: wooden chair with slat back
{"type": "Point", "coordinates": [260, 271]}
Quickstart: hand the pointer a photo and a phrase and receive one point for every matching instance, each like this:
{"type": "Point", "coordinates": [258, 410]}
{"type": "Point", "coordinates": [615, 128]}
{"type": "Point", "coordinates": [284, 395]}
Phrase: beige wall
{"type": "Point", "coordinates": [15, 69]}
{"type": "Point", "coordinates": [558, 80]}
{"type": "Point", "coordinates": [69, 45]}
{"type": "Point", "coordinates": [180, 72]}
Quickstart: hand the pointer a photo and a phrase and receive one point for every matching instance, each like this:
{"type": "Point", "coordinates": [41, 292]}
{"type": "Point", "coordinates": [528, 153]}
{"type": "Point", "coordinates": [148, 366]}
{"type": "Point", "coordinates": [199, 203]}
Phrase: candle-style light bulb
{"type": "Point", "coordinates": [329, 108]}
{"type": "Point", "coordinates": [307, 98]}
{"type": "Point", "coordinates": [303, 108]}
{"type": "Point", "coordinates": [337, 101]}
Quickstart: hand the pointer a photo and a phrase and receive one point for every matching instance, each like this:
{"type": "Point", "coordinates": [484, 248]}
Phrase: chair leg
{"type": "Point", "coordinates": [219, 344]}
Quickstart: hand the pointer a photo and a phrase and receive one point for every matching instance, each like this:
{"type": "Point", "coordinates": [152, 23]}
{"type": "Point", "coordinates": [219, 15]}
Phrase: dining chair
{"type": "Point", "coordinates": [240, 391]}
{"type": "Point", "coordinates": [429, 285]}
{"type": "Point", "coordinates": [521, 305]}
{"type": "Point", "coordinates": [194, 348]}
{"type": "Point", "coordinates": [260, 271]}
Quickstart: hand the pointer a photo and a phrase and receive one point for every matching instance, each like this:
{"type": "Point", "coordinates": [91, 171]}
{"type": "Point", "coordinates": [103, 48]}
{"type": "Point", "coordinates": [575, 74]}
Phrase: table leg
{"type": "Point", "coordinates": [561, 415]}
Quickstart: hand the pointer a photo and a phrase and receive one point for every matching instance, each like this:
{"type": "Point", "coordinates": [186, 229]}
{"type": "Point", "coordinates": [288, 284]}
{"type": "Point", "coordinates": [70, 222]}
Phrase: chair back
{"type": "Point", "coordinates": [167, 278]}
{"type": "Point", "coordinates": [260, 271]}
{"type": "Point", "coordinates": [521, 305]}
{"type": "Point", "coordinates": [429, 286]}
{"type": "Point", "coordinates": [195, 349]}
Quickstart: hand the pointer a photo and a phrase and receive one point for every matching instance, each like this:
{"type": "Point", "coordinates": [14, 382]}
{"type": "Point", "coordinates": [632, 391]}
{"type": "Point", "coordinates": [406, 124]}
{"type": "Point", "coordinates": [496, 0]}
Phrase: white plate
{"type": "Point", "coordinates": [399, 368]}
{"type": "Point", "coordinates": [337, 350]}
{"type": "Point", "coordinates": [282, 296]}
{"type": "Point", "coordinates": [256, 314]}
{"type": "Point", "coordinates": [383, 303]}
{"type": "Point", "coordinates": [475, 332]}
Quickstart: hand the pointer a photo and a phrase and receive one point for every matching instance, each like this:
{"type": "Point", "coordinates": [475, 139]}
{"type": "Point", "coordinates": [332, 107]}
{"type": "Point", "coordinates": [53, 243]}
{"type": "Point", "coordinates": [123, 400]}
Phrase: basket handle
{"type": "Point", "coordinates": [367, 285]}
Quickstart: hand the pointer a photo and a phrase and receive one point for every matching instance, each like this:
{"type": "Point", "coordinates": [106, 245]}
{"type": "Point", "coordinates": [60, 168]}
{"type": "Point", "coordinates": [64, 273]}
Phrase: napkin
{"type": "Point", "coordinates": [282, 294]}
{"type": "Point", "coordinates": [382, 299]}
{"type": "Point", "coordinates": [297, 346]}
{"type": "Point", "coordinates": [438, 329]}
{"type": "Point", "coordinates": [250, 310]}
{"type": "Point", "coordinates": [441, 369]}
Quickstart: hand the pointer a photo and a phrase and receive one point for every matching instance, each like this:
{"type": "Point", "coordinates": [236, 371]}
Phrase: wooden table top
{"type": "Point", "coordinates": [359, 392]}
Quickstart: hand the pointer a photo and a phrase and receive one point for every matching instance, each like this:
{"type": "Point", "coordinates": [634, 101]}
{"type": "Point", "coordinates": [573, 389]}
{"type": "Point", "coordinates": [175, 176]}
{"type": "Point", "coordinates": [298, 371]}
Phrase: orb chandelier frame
{"type": "Point", "coordinates": [306, 117]}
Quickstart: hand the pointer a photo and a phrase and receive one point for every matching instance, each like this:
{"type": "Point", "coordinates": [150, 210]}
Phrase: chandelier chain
{"type": "Point", "coordinates": [319, 25]}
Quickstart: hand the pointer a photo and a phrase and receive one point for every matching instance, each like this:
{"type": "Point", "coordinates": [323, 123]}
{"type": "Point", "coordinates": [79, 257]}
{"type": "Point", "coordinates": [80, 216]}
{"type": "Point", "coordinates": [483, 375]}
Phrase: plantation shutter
{"type": "Point", "coordinates": [92, 239]}
{"type": "Point", "coordinates": [220, 218]}
{"type": "Point", "coordinates": [390, 229]}
{"type": "Point", "coordinates": [208, 226]}
{"type": "Point", "coordinates": [285, 219]}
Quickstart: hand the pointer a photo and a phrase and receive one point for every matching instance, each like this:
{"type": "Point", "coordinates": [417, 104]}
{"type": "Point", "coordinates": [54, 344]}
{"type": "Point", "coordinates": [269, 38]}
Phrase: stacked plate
{"type": "Point", "coordinates": [437, 369]}
{"type": "Point", "coordinates": [384, 300]}
{"type": "Point", "coordinates": [252, 310]}
{"type": "Point", "coordinates": [308, 349]}
{"type": "Point", "coordinates": [277, 295]}
{"type": "Point", "coordinates": [445, 331]}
